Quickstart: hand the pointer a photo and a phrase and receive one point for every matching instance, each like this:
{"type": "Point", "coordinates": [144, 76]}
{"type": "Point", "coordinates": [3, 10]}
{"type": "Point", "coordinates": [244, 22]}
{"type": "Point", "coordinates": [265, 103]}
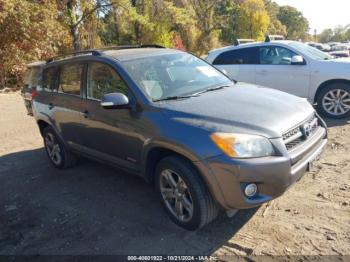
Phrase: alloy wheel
{"type": "Point", "coordinates": [53, 149]}
{"type": "Point", "coordinates": [176, 195]}
{"type": "Point", "coordinates": [336, 102]}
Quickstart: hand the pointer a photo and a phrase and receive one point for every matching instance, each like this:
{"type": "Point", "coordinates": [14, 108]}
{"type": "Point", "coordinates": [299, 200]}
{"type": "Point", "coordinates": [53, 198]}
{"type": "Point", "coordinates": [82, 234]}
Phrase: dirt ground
{"type": "Point", "coordinates": [95, 209]}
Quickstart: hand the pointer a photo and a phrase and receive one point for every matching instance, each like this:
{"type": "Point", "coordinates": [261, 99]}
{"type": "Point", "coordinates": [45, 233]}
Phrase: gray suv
{"type": "Point", "coordinates": [206, 142]}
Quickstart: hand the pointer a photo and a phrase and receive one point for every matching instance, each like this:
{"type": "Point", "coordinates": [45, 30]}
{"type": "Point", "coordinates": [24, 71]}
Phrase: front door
{"type": "Point", "coordinates": [276, 71]}
{"type": "Point", "coordinates": [110, 134]}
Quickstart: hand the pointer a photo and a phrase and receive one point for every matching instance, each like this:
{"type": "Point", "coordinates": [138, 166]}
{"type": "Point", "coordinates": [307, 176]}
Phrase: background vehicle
{"type": "Point", "coordinates": [321, 47]}
{"type": "Point", "coordinates": [179, 123]}
{"type": "Point", "coordinates": [340, 51]}
{"type": "Point", "coordinates": [292, 67]}
{"type": "Point", "coordinates": [31, 83]}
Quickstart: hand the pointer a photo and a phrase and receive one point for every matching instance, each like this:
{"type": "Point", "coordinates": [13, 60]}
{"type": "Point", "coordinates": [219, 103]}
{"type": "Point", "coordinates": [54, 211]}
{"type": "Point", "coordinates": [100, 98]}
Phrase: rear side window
{"type": "Point", "coordinates": [102, 79]}
{"type": "Point", "coordinates": [244, 56]}
{"type": "Point", "coordinates": [50, 77]}
{"type": "Point", "coordinates": [27, 76]}
{"type": "Point", "coordinates": [70, 79]}
{"type": "Point", "coordinates": [34, 79]}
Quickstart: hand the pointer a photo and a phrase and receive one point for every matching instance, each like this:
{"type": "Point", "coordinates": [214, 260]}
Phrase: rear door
{"type": "Point", "coordinates": [239, 64]}
{"type": "Point", "coordinates": [66, 102]}
{"type": "Point", "coordinates": [276, 71]}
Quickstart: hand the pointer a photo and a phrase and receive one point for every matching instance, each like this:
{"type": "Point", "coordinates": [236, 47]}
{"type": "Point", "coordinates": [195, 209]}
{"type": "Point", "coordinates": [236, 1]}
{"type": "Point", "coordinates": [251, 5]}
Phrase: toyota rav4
{"type": "Point", "coordinates": [207, 143]}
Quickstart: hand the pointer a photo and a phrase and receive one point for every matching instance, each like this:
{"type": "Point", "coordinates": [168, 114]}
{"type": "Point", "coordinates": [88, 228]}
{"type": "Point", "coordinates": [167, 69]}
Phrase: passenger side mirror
{"type": "Point", "coordinates": [297, 60]}
{"type": "Point", "coordinates": [115, 101]}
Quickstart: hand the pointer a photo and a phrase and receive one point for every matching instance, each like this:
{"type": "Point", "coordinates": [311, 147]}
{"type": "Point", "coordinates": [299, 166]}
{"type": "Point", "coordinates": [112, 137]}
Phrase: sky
{"type": "Point", "coordinates": [322, 14]}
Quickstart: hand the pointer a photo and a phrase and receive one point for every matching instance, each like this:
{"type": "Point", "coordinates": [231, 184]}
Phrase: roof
{"type": "Point", "coordinates": [135, 53]}
{"type": "Point", "coordinates": [232, 47]}
{"type": "Point", "coordinates": [122, 53]}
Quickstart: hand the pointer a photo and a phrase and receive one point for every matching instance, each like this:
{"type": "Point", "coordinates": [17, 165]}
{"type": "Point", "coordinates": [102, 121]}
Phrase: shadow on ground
{"type": "Point", "coordinates": [92, 209]}
{"type": "Point", "coordinates": [336, 122]}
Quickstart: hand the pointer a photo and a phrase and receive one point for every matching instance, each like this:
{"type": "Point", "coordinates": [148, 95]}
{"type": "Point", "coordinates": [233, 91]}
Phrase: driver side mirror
{"type": "Point", "coordinates": [115, 101]}
{"type": "Point", "coordinates": [298, 60]}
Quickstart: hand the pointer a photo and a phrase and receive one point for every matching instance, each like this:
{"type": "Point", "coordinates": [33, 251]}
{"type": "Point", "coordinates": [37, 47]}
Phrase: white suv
{"type": "Point", "coordinates": [292, 67]}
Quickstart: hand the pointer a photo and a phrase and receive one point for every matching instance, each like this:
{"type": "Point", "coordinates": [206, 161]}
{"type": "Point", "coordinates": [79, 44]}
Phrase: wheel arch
{"type": "Point", "coordinates": [156, 153]}
{"type": "Point", "coordinates": [42, 125]}
{"type": "Point", "coordinates": [327, 83]}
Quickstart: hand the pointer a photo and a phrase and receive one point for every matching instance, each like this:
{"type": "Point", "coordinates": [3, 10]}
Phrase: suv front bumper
{"type": "Point", "coordinates": [273, 175]}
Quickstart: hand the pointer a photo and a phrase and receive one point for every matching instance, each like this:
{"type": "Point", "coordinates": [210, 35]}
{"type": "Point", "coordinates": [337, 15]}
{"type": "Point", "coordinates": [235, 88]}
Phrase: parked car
{"type": "Point", "coordinates": [30, 84]}
{"type": "Point", "coordinates": [340, 51]}
{"type": "Point", "coordinates": [292, 67]}
{"type": "Point", "coordinates": [207, 143]}
{"type": "Point", "coordinates": [321, 47]}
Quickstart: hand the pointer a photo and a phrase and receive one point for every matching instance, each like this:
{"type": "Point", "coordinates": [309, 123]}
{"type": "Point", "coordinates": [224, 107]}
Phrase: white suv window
{"type": "Point", "coordinates": [275, 55]}
{"type": "Point", "coordinates": [244, 56]}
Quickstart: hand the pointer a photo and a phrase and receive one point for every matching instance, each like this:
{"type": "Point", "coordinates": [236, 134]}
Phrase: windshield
{"type": "Point", "coordinates": [312, 52]}
{"type": "Point", "coordinates": [178, 74]}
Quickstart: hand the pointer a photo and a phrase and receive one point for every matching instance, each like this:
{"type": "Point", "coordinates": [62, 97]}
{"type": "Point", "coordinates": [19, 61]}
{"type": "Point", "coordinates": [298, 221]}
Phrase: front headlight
{"type": "Point", "coordinates": [243, 146]}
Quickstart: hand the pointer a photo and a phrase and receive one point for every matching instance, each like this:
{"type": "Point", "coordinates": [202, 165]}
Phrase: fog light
{"type": "Point", "coordinates": [250, 190]}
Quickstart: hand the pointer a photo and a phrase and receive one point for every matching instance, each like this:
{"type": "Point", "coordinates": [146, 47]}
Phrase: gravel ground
{"type": "Point", "coordinates": [95, 209]}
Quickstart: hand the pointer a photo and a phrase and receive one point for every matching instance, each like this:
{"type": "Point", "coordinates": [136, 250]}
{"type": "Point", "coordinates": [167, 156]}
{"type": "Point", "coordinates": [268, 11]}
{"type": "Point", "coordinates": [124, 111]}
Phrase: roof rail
{"type": "Point", "coordinates": [270, 38]}
{"type": "Point", "coordinates": [76, 53]}
{"type": "Point", "coordinates": [120, 47]}
{"type": "Point", "coordinates": [97, 52]}
{"type": "Point", "coordinates": [243, 41]}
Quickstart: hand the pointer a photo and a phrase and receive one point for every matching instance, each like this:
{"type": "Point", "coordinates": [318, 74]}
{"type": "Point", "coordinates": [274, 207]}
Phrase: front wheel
{"type": "Point", "coordinates": [334, 101]}
{"type": "Point", "coordinates": [183, 194]}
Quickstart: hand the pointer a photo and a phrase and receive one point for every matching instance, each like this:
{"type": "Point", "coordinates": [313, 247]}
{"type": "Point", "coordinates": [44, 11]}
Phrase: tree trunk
{"type": "Point", "coordinates": [76, 38]}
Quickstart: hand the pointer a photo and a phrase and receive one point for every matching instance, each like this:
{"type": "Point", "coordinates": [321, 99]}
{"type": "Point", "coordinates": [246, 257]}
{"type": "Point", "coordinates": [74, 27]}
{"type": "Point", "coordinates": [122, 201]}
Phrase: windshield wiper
{"type": "Point", "coordinates": [191, 95]}
{"type": "Point", "coordinates": [211, 89]}
{"type": "Point", "coordinates": [173, 98]}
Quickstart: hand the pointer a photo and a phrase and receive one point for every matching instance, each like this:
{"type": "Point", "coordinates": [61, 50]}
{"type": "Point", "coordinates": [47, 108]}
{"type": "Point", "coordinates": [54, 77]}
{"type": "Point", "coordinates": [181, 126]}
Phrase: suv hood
{"type": "Point", "coordinates": [243, 108]}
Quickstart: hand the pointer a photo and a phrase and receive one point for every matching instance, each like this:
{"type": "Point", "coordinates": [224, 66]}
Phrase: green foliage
{"type": "Point", "coordinates": [254, 20]}
{"type": "Point", "coordinates": [296, 24]}
{"type": "Point", "coordinates": [338, 34]}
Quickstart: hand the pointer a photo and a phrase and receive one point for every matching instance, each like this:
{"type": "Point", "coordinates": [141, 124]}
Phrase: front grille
{"type": "Point", "coordinates": [298, 135]}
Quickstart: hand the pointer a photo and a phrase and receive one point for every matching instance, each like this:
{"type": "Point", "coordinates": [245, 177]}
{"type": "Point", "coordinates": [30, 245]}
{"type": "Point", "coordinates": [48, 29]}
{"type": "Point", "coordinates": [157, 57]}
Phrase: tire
{"type": "Point", "coordinates": [192, 190]}
{"type": "Point", "coordinates": [333, 99]}
{"type": "Point", "coordinates": [57, 152]}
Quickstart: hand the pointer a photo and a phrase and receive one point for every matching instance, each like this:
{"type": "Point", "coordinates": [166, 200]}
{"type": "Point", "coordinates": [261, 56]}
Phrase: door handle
{"type": "Point", "coordinates": [51, 106]}
{"type": "Point", "coordinates": [85, 114]}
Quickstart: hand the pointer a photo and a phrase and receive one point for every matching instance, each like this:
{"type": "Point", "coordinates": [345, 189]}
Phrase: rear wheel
{"type": "Point", "coordinates": [334, 101]}
{"type": "Point", "coordinates": [183, 194]}
{"type": "Point", "coordinates": [58, 153]}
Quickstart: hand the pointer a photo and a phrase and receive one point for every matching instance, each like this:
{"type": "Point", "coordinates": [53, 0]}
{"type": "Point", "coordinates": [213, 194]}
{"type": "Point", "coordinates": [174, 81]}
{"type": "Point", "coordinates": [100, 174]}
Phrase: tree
{"type": "Point", "coordinates": [326, 36]}
{"type": "Point", "coordinates": [297, 25]}
{"type": "Point", "coordinates": [275, 27]}
{"type": "Point", "coordinates": [254, 19]}
{"type": "Point", "coordinates": [229, 11]}
{"type": "Point", "coordinates": [76, 14]}
{"type": "Point", "coordinates": [29, 31]}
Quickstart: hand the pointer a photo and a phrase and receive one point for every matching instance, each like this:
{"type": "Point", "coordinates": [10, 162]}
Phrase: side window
{"type": "Point", "coordinates": [27, 76]}
{"type": "Point", "coordinates": [35, 76]}
{"type": "Point", "coordinates": [244, 56]}
{"type": "Point", "coordinates": [103, 79]}
{"type": "Point", "coordinates": [275, 55]}
{"type": "Point", "coordinates": [70, 79]}
{"type": "Point", "coordinates": [49, 79]}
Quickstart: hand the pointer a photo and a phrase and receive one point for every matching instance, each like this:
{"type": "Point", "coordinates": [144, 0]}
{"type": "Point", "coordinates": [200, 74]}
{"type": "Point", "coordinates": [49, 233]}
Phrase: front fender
{"type": "Point", "coordinates": [200, 164]}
